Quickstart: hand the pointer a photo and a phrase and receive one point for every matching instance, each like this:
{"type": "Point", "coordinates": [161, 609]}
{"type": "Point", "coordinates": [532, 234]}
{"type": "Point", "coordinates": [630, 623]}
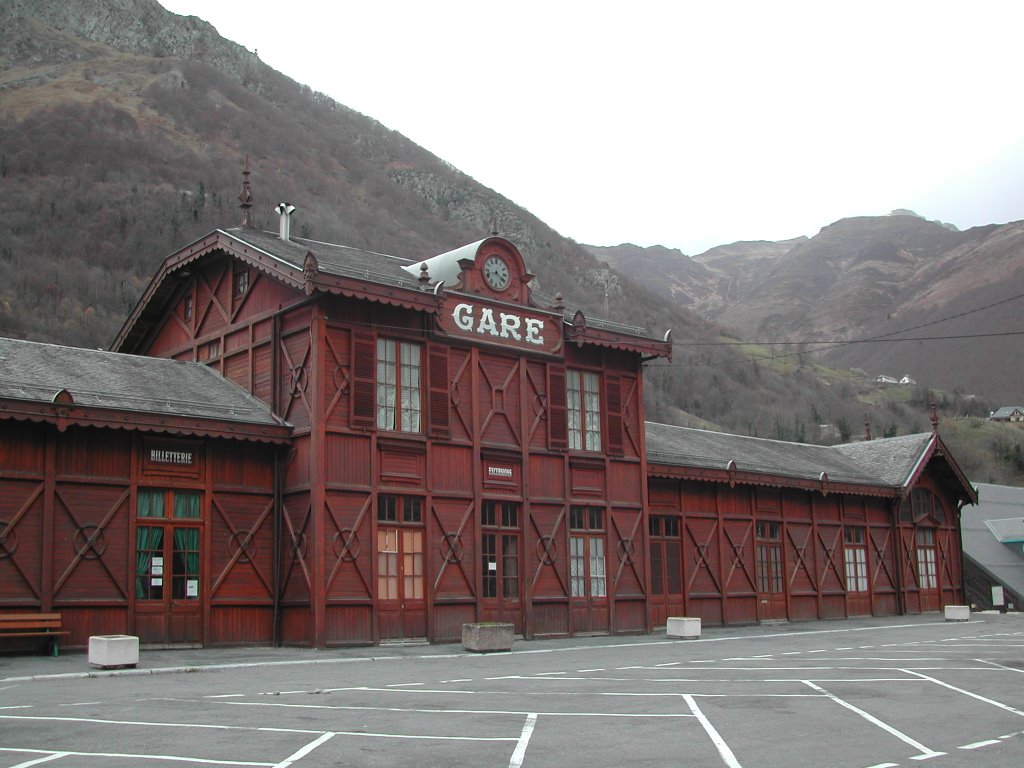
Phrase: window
{"type": "Point", "coordinates": [241, 282]}
{"type": "Point", "coordinates": [499, 548]}
{"type": "Point", "coordinates": [587, 552]}
{"type": "Point", "coordinates": [400, 509]}
{"type": "Point", "coordinates": [926, 573]}
{"type": "Point", "coordinates": [855, 558]}
{"type": "Point", "coordinates": [399, 398]}
{"type": "Point", "coordinates": [209, 350]}
{"type": "Point", "coordinates": [584, 410]}
{"type": "Point", "coordinates": [186, 309]}
{"type": "Point", "coordinates": [167, 551]}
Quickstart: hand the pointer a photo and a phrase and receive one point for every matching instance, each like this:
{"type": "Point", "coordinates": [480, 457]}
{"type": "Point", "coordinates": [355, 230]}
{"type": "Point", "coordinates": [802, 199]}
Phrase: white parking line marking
{"type": "Point", "coordinates": [723, 749]}
{"type": "Point", "coordinates": [993, 702]}
{"type": "Point", "coordinates": [1001, 666]}
{"type": "Point", "coordinates": [402, 685]}
{"type": "Point", "coordinates": [127, 755]}
{"type": "Point", "coordinates": [220, 696]}
{"type": "Point", "coordinates": [438, 711]}
{"type": "Point", "coordinates": [978, 744]}
{"type": "Point", "coordinates": [884, 765]}
{"type": "Point", "coordinates": [925, 751]}
{"type": "Point", "coordinates": [298, 755]}
{"type": "Point", "coordinates": [524, 739]}
{"type": "Point", "coordinates": [46, 759]}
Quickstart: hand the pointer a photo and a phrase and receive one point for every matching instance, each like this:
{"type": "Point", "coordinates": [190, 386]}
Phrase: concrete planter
{"type": "Point", "coordinates": [685, 627]}
{"type": "Point", "coordinates": [957, 612]}
{"type": "Point", "coordinates": [487, 636]}
{"type": "Point", "coordinates": [110, 651]}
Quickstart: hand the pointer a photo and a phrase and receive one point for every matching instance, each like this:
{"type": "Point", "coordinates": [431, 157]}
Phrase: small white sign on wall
{"type": "Point", "coordinates": [997, 596]}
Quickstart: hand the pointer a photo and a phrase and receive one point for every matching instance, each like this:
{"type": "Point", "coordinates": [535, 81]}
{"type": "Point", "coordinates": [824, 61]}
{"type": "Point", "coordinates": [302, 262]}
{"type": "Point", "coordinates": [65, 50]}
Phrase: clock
{"type": "Point", "coordinates": [496, 273]}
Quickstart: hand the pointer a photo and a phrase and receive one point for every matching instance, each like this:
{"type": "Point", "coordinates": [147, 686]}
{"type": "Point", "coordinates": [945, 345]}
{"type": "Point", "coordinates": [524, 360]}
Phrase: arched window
{"type": "Point", "coordinates": [922, 505]}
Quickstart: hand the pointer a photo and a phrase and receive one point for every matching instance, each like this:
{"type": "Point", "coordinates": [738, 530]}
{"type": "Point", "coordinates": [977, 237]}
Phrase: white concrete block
{"type": "Point", "coordinates": [957, 612]}
{"type": "Point", "coordinates": [487, 636]}
{"type": "Point", "coordinates": [110, 651]}
{"type": "Point", "coordinates": [686, 627]}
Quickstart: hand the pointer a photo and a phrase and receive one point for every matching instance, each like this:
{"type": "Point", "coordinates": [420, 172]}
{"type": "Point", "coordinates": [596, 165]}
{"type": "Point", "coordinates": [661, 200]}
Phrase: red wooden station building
{"type": "Point", "coordinates": [302, 443]}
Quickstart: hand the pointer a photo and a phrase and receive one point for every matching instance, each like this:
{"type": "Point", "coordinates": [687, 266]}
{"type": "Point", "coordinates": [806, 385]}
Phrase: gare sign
{"type": "Point", "coordinates": [533, 330]}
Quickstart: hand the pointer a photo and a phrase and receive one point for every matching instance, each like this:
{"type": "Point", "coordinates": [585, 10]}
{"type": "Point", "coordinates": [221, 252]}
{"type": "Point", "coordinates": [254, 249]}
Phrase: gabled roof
{"type": "Point", "coordinates": [70, 385]}
{"type": "Point", "coordinates": [884, 467]}
{"type": "Point", "coordinates": [311, 266]}
{"type": "Point", "coordinates": [1007, 411]}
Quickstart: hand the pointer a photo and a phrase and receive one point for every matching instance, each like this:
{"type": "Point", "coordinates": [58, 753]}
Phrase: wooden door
{"type": "Point", "coordinates": [771, 583]}
{"type": "Point", "coordinates": [855, 568]}
{"type": "Point", "coordinates": [168, 559]}
{"type": "Point", "coordinates": [666, 591]}
{"type": "Point", "coordinates": [401, 603]}
{"type": "Point", "coordinates": [589, 600]}
{"type": "Point", "coordinates": [501, 584]}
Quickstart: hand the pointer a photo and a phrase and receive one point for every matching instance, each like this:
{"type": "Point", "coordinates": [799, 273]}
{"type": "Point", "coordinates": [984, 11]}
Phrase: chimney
{"type": "Point", "coordinates": [285, 210]}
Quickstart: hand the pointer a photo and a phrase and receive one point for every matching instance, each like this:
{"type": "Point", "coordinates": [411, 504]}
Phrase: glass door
{"type": "Point", "coordinates": [168, 598]}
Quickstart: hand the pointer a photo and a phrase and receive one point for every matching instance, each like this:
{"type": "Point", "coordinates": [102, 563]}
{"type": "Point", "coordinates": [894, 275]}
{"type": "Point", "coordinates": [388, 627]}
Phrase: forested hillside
{"type": "Point", "coordinates": [123, 133]}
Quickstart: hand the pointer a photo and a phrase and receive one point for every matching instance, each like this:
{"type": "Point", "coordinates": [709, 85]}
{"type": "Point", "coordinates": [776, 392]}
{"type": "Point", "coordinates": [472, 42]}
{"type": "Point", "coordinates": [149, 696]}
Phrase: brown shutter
{"type": "Point", "coordinates": [364, 380]}
{"type": "Point", "coordinates": [613, 400]}
{"type": "Point", "coordinates": [558, 417]}
{"type": "Point", "coordinates": [439, 388]}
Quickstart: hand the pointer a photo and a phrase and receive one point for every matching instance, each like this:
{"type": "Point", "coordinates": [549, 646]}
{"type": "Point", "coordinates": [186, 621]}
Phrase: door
{"type": "Point", "coordinates": [588, 602]}
{"type": "Point", "coordinates": [499, 566]}
{"type": "Point", "coordinates": [168, 597]}
{"type": "Point", "coordinates": [666, 593]}
{"type": "Point", "coordinates": [771, 589]}
{"type": "Point", "coordinates": [855, 564]}
{"type": "Point", "coordinates": [402, 609]}
{"type": "Point", "coordinates": [927, 572]}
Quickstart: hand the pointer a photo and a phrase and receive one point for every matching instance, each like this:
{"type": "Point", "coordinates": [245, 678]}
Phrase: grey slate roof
{"type": "Point", "coordinates": [345, 261]}
{"type": "Point", "coordinates": [891, 459]}
{"type": "Point", "coordinates": [36, 372]}
{"type": "Point", "coordinates": [887, 462]}
{"type": "Point", "coordinates": [340, 260]}
{"type": "Point", "coordinates": [1003, 506]}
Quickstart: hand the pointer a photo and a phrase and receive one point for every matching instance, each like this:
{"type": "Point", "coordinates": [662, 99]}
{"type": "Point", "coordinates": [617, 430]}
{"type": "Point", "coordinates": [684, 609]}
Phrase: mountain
{"type": "Point", "coordinates": [124, 129]}
{"type": "Point", "coordinates": [885, 277]}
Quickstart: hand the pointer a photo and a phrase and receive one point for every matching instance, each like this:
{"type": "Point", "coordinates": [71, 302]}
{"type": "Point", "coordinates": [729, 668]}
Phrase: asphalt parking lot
{"type": "Point", "coordinates": [900, 691]}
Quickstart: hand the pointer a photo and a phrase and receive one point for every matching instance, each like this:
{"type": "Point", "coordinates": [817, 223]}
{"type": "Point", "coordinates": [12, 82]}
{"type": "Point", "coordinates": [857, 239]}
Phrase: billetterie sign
{"type": "Point", "coordinates": [511, 326]}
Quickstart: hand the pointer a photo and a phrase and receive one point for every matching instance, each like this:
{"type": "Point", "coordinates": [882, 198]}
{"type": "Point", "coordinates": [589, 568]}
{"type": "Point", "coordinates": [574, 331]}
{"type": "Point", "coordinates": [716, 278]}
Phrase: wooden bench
{"type": "Point", "coordinates": [24, 625]}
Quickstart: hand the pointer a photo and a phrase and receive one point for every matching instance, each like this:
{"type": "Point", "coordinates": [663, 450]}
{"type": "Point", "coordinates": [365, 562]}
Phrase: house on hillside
{"type": "Point", "coordinates": [294, 442]}
{"type": "Point", "coordinates": [884, 379]}
{"type": "Point", "coordinates": [1013, 413]}
{"type": "Point", "coordinates": [993, 534]}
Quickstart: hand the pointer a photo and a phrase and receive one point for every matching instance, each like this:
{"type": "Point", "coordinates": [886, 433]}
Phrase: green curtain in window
{"type": "Point", "coordinates": [151, 504]}
{"type": "Point", "coordinates": [186, 542]}
{"type": "Point", "coordinates": [148, 539]}
{"type": "Point", "coordinates": [186, 504]}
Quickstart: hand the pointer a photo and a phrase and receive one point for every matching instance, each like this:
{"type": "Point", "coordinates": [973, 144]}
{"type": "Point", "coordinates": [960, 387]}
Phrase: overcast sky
{"type": "Point", "coordinates": [686, 124]}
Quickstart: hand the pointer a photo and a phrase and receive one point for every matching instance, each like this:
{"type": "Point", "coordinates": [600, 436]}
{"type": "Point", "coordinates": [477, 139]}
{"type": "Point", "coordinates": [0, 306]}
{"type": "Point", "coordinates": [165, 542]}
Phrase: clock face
{"type": "Point", "coordinates": [496, 273]}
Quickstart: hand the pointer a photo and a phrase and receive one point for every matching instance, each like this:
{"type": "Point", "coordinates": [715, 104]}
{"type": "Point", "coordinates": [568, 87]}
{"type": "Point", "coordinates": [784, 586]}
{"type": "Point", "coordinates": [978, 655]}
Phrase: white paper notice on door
{"type": "Point", "coordinates": [192, 588]}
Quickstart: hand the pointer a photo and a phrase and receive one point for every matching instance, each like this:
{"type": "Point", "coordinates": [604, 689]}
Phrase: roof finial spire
{"type": "Point", "coordinates": [494, 224]}
{"type": "Point", "coordinates": [934, 413]}
{"type": "Point", "coordinates": [867, 427]}
{"type": "Point", "coordinates": [245, 196]}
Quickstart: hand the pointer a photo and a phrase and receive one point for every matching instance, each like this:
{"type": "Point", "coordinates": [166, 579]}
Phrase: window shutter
{"type": "Point", "coordinates": [364, 380]}
{"type": "Point", "coordinates": [613, 397]}
{"type": "Point", "coordinates": [439, 391]}
{"type": "Point", "coordinates": [558, 418]}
